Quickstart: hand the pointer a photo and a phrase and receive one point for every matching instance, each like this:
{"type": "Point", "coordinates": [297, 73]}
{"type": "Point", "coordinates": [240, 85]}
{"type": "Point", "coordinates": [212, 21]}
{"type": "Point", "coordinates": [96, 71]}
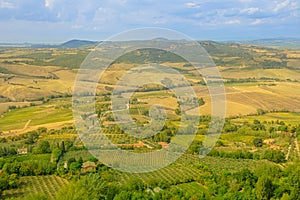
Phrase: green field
{"type": "Point", "coordinates": [260, 134]}
{"type": "Point", "coordinates": [292, 118]}
{"type": "Point", "coordinates": [37, 115]}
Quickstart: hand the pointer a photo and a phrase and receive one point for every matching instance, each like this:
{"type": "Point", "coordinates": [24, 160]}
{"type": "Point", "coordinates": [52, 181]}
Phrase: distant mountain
{"type": "Point", "coordinates": [15, 45]}
{"type": "Point", "coordinates": [77, 44]}
{"type": "Point", "coordinates": [291, 43]}
{"type": "Point", "coordinates": [68, 44]}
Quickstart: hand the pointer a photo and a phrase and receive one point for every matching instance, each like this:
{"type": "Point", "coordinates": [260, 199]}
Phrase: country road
{"type": "Point", "coordinates": [297, 147]}
{"type": "Point", "coordinates": [26, 125]}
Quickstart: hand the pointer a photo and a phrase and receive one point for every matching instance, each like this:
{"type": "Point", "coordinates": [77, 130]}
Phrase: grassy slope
{"type": "Point", "coordinates": [37, 115]}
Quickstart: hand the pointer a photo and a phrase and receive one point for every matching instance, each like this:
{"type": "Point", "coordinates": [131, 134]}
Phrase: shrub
{"type": "Point", "coordinates": [75, 166]}
{"type": "Point", "coordinates": [274, 155]}
{"type": "Point", "coordinates": [258, 142]}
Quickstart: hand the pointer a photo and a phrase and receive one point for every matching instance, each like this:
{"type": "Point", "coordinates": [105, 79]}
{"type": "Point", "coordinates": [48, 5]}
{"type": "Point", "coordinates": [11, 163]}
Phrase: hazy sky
{"type": "Point", "coordinates": [61, 20]}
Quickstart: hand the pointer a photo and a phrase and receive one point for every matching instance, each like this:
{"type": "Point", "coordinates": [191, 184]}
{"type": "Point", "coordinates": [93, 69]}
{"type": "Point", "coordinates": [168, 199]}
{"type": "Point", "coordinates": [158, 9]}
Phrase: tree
{"type": "Point", "coordinates": [93, 159]}
{"type": "Point", "coordinates": [31, 137]}
{"type": "Point", "coordinates": [8, 181]}
{"type": "Point", "coordinates": [135, 184]}
{"type": "Point", "coordinates": [264, 188]}
{"type": "Point", "coordinates": [294, 181]}
{"type": "Point", "coordinates": [123, 195]}
{"type": "Point", "coordinates": [80, 160]}
{"type": "Point", "coordinates": [75, 165]}
{"type": "Point", "coordinates": [258, 142]}
{"type": "Point", "coordinates": [276, 156]}
{"type": "Point", "coordinates": [3, 183]}
{"type": "Point", "coordinates": [134, 100]}
{"type": "Point", "coordinates": [3, 140]}
{"type": "Point", "coordinates": [56, 153]}
{"type": "Point", "coordinates": [70, 160]}
{"type": "Point", "coordinates": [228, 127]}
{"type": "Point", "coordinates": [36, 197]}
{"type": "Point", "coordinates": [42, 130]}
{"type": "Point", "coordinates": [285, 196]}
{"type": "Point", "coordinates": [283, 128]}
{"type": "Point", "coordinates": [12, 168]}
{"type": "Point", "coordinates": [246, 178]}
{"type": "Point", "coordinates": [29, 141]}
{"type": "Point", "coordinates": [43, 147]}
{"type": "Point", "coordinates": [201, 101]}
{"type": "Point", "coordinates": [260, 111]}
{"type": "Point", "coordinates": [177, 111]}
{"type": "Point", "coordinates": [195, 147]}
{"type": "Point", "coordinates": [272, 129]}
{"type": "Point", "coordinates": [63, 148]}
{"type": "Point", "coordinates": [256, 121]}
{"type": "Point", "coordinates": [87, 187]}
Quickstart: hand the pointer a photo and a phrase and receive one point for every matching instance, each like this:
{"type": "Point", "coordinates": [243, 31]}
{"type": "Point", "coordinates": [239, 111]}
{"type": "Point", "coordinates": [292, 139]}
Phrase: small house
{"type": "Point", "coordinates": [66, 164]}
{"type": "Point", "coordinates": [276, 147]}
{"type": "Point", "coordinates": [163, 144]}
{"type": "Point", "coordinates": [269, 141]}
{"type": "Point", "coordinates": [88, 166]}
{"type": "Point", "coordinates": [140, 144]}
{"type": "Point", "coordinates": [22, 151]}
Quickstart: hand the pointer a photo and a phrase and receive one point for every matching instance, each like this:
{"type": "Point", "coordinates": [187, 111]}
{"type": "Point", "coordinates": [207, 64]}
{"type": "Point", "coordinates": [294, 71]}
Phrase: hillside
{"type": "Point", "coordinates": [290, 43]}
{"type": "Point", "coordinates": [69, 44]}
{"type": "Point", "coordinates": [254, 76]}
{"type": "Point", "coordinates": [43, 157]}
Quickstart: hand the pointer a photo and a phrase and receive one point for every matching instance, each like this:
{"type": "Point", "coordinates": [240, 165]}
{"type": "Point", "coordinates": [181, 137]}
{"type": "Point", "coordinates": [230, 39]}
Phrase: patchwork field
{"type": "Point", "coordinates": [257, 151]}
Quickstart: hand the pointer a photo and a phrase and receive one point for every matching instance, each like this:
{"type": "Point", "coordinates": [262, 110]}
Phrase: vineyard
{"type": "Point", "coordinates": [48, 185]}
{"type": "Point", "coordinates": [190, 167]}
{"type": "Point", "coordinates": [255, 157]}
{"type": "Point", "coordinates": [191, 188]}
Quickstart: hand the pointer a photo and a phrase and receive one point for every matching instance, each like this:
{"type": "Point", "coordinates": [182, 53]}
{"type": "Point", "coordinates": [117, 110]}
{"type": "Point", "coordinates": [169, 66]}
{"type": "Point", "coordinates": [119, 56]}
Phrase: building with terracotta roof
{"type": "Point", "coordinates": [163, 144]}
{"type": "Point", "coordinates": [88, 166]}
{"type": "Point", "coordinates": [22, 151]}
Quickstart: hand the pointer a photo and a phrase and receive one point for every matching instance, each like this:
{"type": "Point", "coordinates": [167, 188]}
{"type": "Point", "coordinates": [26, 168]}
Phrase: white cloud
{"type": "Point", "coordinates": [244, 1]}
{"type": "Point", "coordinates": [160, 21]}
{"type": "Point", "coordinates": [76, 26]}
{"type": "Point", "coordinates": [258, 22]}
{"type": "Point", "coordinates": [49, 4]}
{"type": "Point", "coordinates": [281, 5]}
{"type": "Point", "coordinates": [192, 5]}
{"type": "Point", "coordinates": [234, 21]}
{"type": "Point", "coordinates": [250, 11]}
{"type": "Point", "coordinates": [4, 4]}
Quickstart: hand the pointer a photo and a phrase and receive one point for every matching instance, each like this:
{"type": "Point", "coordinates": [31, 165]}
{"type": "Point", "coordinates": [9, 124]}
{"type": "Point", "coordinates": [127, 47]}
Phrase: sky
{"type": "Point", "coordinates": [55, 21]}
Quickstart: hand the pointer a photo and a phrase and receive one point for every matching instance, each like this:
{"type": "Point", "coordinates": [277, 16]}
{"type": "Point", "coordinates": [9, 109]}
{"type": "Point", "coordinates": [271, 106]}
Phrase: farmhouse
{"type": "Point", "coordinates": [163, 144]}
{"type": "Point", "coordinates": [22, 151]}
{"type": "Point", "coordinates": [269, 141]}
{"type": "Point", "coordinates": [66, 164]}
{"type": "Point", "coordinates": [88, 166]}
{"type": "Point", "coordinates": [276, 147]}
{"type": "Point", "coordinates": [138, 145]}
